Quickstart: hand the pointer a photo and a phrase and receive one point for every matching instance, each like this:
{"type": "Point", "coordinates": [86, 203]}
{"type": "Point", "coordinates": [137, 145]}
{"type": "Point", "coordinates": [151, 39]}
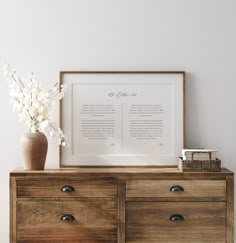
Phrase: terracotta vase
{"type": "Point", "coordinates": [34, 148]}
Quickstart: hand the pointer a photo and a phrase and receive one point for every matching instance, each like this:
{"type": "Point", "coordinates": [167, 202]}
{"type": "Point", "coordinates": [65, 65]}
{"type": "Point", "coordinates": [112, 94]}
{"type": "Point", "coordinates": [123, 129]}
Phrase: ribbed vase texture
{"type": "Point", "coordinates": [34, 148]}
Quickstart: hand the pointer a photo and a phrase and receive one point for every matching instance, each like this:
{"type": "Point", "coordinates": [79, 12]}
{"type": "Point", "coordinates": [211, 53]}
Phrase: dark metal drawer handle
{"type": "Point", "coordinates": [67, 189]}
{"type": "Point", "coordinates": [176, 188]}
{"type": "Point", "coordinates": [67, 217]}
{"type": "Point", "coordinates": [176, 217]}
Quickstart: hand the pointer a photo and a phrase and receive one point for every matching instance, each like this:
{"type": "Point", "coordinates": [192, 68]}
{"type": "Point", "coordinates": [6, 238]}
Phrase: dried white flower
{"type": "Point", "coordinates": [33, 104]}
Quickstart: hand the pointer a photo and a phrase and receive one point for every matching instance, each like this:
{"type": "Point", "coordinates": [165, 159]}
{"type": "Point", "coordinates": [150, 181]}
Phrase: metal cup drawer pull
{"type": "Point", "coordinates": [176, 217]}
{"type": "Point", "coordinates": [67, 217]}
{"type": "Point", "coordinates": [177, 188]}
{"type": "Point", "coordinates": [67, 189]}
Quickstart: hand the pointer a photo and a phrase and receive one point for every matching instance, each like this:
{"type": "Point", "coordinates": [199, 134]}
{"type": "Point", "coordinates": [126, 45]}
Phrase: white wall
{"type": "Point", "coordinates": [198, 36]}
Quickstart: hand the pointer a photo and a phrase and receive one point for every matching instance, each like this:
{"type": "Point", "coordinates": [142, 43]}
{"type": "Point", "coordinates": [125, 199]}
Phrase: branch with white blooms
{"type": "Point", "coordinates": [33, 104]}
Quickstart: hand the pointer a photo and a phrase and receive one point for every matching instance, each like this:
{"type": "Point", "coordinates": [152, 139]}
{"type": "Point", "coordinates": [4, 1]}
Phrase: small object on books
{"type": "Point", "coordinates": [199, 160]}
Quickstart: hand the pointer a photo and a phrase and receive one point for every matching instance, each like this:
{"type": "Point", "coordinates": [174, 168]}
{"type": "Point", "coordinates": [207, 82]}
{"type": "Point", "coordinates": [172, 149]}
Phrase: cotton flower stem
{"type": "Point", "coordinates": [50, 90]}
{"type": "Point", "coordinates": [12, 76]}
{"type": "Point", "coordinates": [52, 126]}
{"type": "Point", "coordinates": [26, 109]}
{"type": "Point", "coordinates": [18, 80]}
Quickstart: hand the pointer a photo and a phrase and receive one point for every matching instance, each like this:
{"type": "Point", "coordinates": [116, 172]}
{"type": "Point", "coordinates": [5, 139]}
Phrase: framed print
{"type": "Point", "coordinates": [122, 118]}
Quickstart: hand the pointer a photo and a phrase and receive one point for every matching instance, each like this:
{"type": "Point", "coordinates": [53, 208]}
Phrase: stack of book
{"type": "Point", "coordinates": [199, 154]}
{"type": "Point", "coordinates": [199, 160]}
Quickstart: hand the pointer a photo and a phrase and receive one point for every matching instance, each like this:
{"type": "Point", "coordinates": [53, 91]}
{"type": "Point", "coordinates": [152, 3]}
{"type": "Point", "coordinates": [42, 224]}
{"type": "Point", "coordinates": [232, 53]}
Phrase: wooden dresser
{"type": "Point", "coordinates": [132, 205]}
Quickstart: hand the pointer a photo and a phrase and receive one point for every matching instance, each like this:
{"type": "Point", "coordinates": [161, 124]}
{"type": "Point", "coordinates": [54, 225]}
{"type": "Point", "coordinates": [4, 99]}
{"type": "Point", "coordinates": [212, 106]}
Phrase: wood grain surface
{"type": "Point", "coordinates": [230, 209]}
{"type": "Point", "coordinates": [121, 205]}
{"type": "Point", "coordinates": [161, 188]}
{"type": "Point", "coordinates": [52, 188]}
{"type": "Point", "coordinates": [93, 220]}
{"type": "Point", "coordinates": [148, 222]}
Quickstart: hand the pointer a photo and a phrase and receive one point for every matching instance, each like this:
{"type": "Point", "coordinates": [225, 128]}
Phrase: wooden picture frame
{"type": "Point", "coordinates": [122, 118]}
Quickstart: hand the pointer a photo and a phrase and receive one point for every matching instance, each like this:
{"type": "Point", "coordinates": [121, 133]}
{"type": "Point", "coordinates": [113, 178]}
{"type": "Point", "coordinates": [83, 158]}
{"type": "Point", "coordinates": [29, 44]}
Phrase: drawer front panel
{"type": "Point", "coordinates": [86, 221]}
{"type": "Point", "coordinates": [176, 188]}
{"type": "Point", "coordinates": [181, 222]}
{"type": "Point", "coordinates": [66, 189]}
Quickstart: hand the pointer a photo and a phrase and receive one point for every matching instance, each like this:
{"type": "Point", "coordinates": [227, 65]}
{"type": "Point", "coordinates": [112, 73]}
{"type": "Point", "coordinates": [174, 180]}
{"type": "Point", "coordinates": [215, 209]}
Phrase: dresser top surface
{"type": "Point", "coordinates": [124, 171]}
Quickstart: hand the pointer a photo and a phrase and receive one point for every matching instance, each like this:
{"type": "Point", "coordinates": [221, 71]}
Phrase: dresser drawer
{"type": "Point", "coordinates": [66, 188]}
{"type": "Point", "coordinates": [178, 222]}
{"type": "Point", "coordinates": [176, 188]}
{"type": "Point", "coordinates": [67, 221]}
